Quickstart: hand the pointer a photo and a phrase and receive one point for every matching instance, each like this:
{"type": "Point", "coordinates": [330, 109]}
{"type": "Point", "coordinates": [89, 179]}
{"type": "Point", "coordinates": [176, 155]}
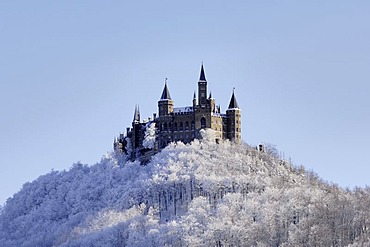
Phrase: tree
{"type": "Point", "coordinates": [150, 136]}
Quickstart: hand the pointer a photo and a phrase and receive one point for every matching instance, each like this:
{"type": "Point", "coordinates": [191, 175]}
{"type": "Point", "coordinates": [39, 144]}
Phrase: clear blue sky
{"type": "Point", "coordinates": [71, 73]}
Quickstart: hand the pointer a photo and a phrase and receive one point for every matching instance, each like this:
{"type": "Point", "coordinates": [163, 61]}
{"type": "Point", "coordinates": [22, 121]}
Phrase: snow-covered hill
{"type": "Point", "coordinates": [201, 194]}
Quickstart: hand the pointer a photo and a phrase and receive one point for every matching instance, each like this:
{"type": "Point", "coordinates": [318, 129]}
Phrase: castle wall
{"type": "Point", "coordinates": [176, 127]}
{"type": "Point", "coordinates": [217, 126]}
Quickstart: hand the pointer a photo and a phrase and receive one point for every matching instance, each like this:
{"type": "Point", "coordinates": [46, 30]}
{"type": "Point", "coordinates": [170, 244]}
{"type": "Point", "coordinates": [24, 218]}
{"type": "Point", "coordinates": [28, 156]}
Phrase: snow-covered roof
{"type": "Point", "coordinates": [219, 114]}
{"type": "Point", "coordinates": [183, 109]}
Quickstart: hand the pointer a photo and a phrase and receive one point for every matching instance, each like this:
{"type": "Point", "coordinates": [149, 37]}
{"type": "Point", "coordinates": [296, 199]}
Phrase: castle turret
{"type": "Point", "coordinates": [136, 129]}
{"type": "Point", "coordinates": [165, 103]}
{"type": "Point", "coordinates": [212, 103]}
{"type": "Point", "coordinates": [194, 101]}
{"type": "Point", "coordinates": [234, 120]}
{"type": "Point", "coordinates": [202, 89]}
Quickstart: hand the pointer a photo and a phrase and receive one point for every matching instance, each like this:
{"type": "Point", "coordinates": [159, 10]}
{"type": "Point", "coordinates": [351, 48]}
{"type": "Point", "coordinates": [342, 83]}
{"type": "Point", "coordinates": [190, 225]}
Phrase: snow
{"type": "Point", "coordinates": [183, 109]}
{"type": "Point", "coordinates": [199, 194]}
{"type": "Point", "coordinates": [150, 136]}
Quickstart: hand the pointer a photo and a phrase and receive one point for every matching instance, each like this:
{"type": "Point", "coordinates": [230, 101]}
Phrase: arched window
{"type": "Point", "coordinates": [192, 125]}
{"type": "Point", "coordinates": [203, 122]}
{"type": "Point", "coordinates": [181, 126]}
{"type": "Point", "coordinates": [186, 125]}
{"type": "Point", "coordinates": [175, 126]}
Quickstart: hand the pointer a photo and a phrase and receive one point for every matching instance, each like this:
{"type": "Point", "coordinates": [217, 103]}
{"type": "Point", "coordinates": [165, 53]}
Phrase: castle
{"type": "Point", "coordinates": [181, 123]}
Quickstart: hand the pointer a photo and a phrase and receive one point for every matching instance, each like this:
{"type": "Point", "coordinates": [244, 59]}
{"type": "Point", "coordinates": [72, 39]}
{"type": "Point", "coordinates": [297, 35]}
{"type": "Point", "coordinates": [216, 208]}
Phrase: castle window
{"type": "Point", "coordinates": [203, 122]}
{"type": "Point", "coordinates": [192, 125]}
{"type": "Point", "coordinates": [186, 125]}
{"type": "Point", "coordinates": [181, 126]}
{"type": "Point", "coordinates": [175, 126]}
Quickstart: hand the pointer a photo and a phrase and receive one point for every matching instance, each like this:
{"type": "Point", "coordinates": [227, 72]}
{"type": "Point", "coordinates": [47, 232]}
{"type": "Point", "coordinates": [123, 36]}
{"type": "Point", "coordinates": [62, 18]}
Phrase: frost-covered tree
{"type": "Point", "coordinates": [208, 135]}
{"type": "Point", "coordinates": [198, 194]}
{"type": "Point", "coordinates": [150, 136]}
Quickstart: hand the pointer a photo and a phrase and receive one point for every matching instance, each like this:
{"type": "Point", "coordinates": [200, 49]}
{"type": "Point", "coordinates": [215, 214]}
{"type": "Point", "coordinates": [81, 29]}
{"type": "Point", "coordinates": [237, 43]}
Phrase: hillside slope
{"type": "Point", "coordinates": [201, 194]}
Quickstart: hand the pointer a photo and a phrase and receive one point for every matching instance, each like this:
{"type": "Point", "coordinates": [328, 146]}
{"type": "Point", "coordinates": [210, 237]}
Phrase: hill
{"type": "Point", "coordinates": [200, 194]}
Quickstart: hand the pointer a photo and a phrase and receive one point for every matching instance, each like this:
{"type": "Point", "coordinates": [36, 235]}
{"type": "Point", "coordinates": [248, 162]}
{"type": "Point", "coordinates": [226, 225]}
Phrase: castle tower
{"type": "Point", "coordinates": [202, 111]}
{"type": "Point", "coordinates": [194, 100]}
{"type": "Point", "coordinates": [212, 103]}
{"type": "Point", "coordinates": [202, 89]}
{"type": "Point", "coordinates": [234, 120]}
{"type": "Point", "coordinates": [136, 129]}
{"type": "Point", "coordinates": [165, 103]}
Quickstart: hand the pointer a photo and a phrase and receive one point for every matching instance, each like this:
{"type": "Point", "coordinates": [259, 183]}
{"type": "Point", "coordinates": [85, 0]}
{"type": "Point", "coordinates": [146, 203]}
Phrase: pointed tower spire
{"type": "Point", "coordinates": [210, 95]}
{"type": "Point", "coordinates": [137, 114]}
{"type": "Point", "coordinates": [165, 103]}
{"type": "Point", "coordinates": [202, 88]}
{"type": "Point", "coordinates": [233, 102]}
{"type": "Point", "coordinates": [194, 100]}
{"type": "Point", "coordinates": [166, 93]}
{"type": "Point", "coordinates": [202, 76]}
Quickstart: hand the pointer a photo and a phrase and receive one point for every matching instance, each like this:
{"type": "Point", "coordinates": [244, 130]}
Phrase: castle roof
{"type": "Point", "coordinates": [183, 109]}
{"type": "Point", "coordinates": [233, 102]}
{"type": "Point", "coordinates": [202, 76]}
{"type": "Point", "coordinates": [137, 114]}
{"type": "Point", "coordinates": [166, 93]}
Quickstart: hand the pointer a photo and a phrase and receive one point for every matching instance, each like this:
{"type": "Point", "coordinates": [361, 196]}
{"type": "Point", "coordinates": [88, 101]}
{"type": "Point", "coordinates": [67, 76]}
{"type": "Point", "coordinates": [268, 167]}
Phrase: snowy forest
{"type": "Point", "coordinates": [199, 194]}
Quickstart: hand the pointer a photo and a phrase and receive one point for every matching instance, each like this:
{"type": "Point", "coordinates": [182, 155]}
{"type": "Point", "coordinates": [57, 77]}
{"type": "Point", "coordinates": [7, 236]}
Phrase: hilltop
{"type": "Point", "coordinates": [198, 194]}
